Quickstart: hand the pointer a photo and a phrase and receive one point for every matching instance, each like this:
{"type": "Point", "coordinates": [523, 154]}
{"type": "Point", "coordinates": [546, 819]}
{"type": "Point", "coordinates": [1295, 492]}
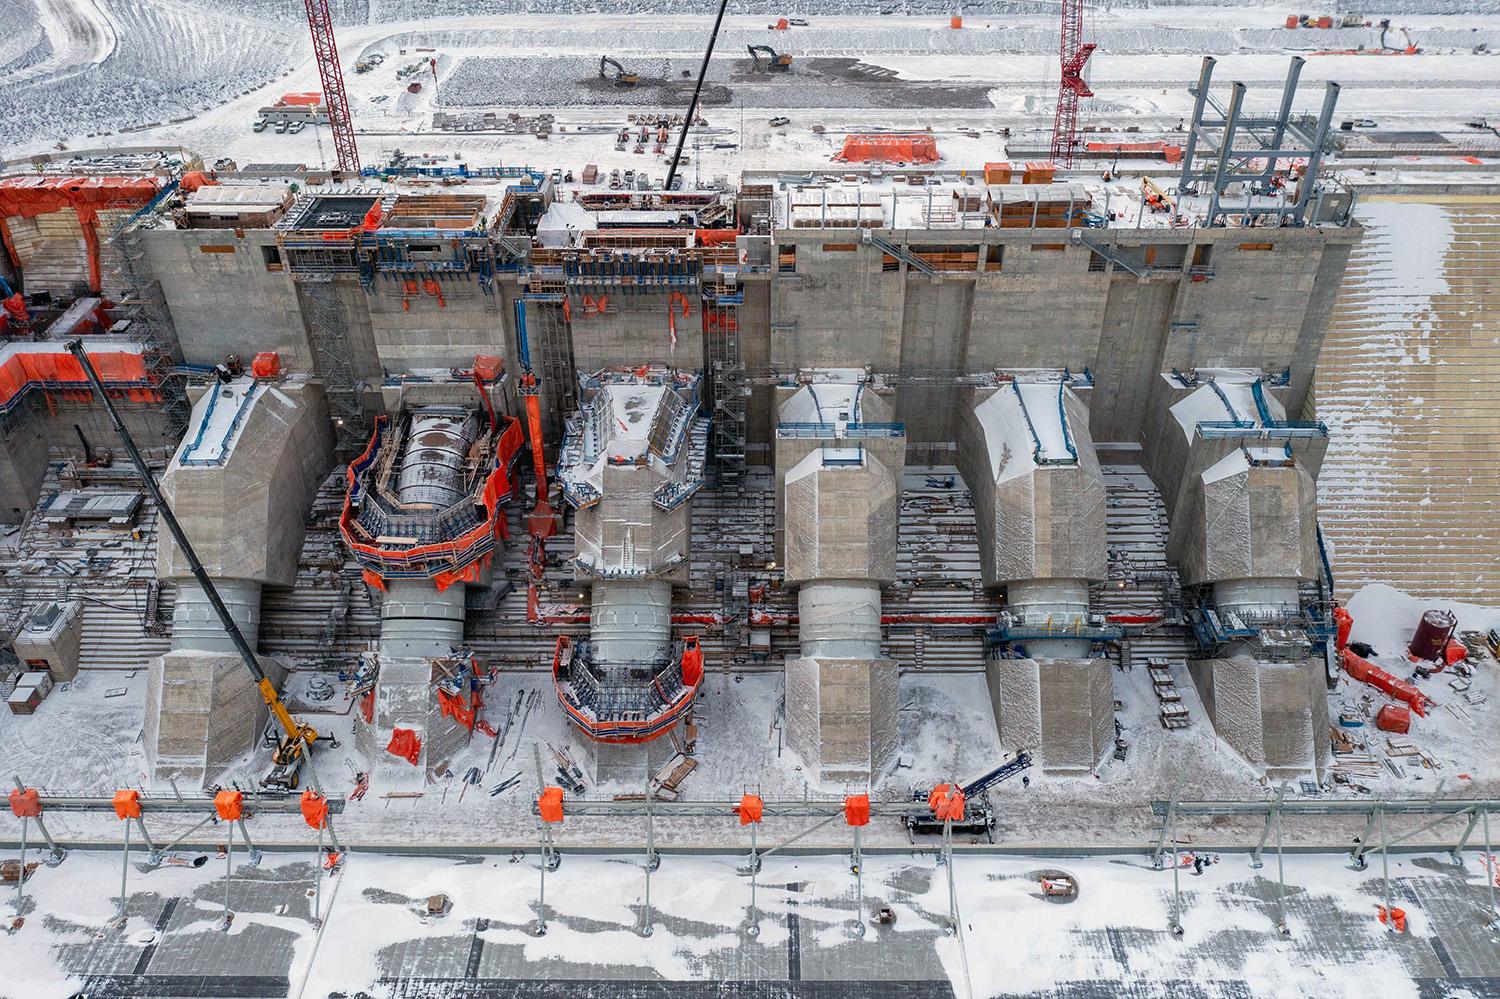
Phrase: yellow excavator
{"type": "Point", "coordinates": [775, 62]}
{"type": "Point", "coordinates": [295, 743]}
{"type": "Point", "coordinates": [610, 69]}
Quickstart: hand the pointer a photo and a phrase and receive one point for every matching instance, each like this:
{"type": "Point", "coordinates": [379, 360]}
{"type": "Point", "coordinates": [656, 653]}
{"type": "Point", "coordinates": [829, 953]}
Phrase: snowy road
{"type": "Point", "coordinates": [82, 37]}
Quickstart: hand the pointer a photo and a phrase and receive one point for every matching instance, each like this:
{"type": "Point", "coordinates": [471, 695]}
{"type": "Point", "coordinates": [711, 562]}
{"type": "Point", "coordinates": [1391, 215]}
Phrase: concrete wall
{"type": "Point", "coordinates": [627, 528]}
{"type": "Point", "coordinates": [246, 518]}
{"type": "Point", "coordinates": [633, 330]}
{"type": "Point", "coordinates": [227, 299]}
{"type": "Point", "coordinates": [1054, 303]}
{"type": "Point", "coordinates": [1274, 715]}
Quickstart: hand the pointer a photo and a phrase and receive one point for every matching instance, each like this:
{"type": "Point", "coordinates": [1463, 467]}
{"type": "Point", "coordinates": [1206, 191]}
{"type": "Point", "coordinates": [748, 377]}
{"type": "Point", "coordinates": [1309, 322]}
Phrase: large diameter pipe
{"type": "Point", "coordinates": [1257, 598]}
{"type": "Point", "coordinates": [1051, 604]}
{"type": "Point", "coordinates": [630, 621]}
{"type": "Point", "coordinates": [839, 619]}
{"type": "Point", "coordinates": [196, 625]}
{"type": "Point", "coordinates": [417, 620]}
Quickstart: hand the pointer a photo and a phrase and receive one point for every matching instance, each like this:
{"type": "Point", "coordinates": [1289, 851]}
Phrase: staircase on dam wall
{"type": "Point", "coordinates": [1409, 385]}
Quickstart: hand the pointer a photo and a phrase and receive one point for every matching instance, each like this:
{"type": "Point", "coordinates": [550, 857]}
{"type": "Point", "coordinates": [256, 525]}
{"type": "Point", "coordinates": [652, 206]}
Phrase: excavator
{"type": "Point", "coordinates": [295, 743]}
{"type": "Point", "coordinates": [774, 62]}
{"type": "Point", "coordinates": [622, 76]}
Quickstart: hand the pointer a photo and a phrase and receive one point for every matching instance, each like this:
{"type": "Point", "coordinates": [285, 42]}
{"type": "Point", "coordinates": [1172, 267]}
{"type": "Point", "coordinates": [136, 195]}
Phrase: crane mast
{"type": "Point", "coordinates": [1072, 54]}
{"type": "Point", "coordinates": [326, 54]}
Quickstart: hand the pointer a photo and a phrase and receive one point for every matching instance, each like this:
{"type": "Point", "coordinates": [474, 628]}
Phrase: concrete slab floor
{"type": "Point", "coordinates": [1111, 940]}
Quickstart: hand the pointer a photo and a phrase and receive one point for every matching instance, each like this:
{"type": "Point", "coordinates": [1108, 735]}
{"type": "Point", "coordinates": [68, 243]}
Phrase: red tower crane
{"type": "Point", "coordinates": [1072, 54]}
{"type": "Point", "coordinates": [320, 23]}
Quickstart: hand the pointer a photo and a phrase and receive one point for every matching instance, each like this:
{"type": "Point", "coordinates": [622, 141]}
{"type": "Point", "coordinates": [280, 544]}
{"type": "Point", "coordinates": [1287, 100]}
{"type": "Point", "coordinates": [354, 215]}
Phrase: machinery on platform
{"type": "Point", "coordinates": [773, 61]}
{"type": "Point", "coordinates": [611, 69]}
{"type": "Point", "coordinates": [979, 817]}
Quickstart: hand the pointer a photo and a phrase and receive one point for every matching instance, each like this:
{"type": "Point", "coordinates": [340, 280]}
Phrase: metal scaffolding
{"type": "Point", "coordinates": [728, 384]}
{"type": "Point", "coordinates": [324, 315]}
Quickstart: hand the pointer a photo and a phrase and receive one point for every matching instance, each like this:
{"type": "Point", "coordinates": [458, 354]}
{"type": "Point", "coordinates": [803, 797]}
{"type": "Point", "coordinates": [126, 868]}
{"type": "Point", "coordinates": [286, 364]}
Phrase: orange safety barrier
{"type": "Point", "coordinates": [314, 809]}
{"type": "Point", "coordinates": [1343, 624]}
{"type": "Point", "coordinates": [28, 197]}
{"type": "Point", "coordinates": [127, 804]}
{"type": "Point", "coordinates": [861, 148]}
{"type": "Point", "coordinates": [549, 804]}
{"type": "Point", "coordinates": [25, 804]}
{"type": "Point", "coordinates": [230, 805]}
{"type": "Point", "coordinates": [1398, 917]}
{"type": "Point", "coordinates": [857, 810]}
{"type": "Point", "coordinates": [1367, 672]}
{"type": "Point", "coordinates": [750, 809]}
{"type": "Point", "coordinates": [373, 578]}
{"type": "Point", "coordinates": [949, 809]}
{"type": "Point", "coordinates": [405, 744]}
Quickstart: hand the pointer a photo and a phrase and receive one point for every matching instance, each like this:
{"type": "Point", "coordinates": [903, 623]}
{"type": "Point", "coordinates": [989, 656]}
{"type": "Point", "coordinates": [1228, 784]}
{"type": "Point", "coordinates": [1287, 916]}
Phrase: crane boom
{"type": "Point", "coordinates": [296, 733]}
{"type": "Point", "coordinates": [692, 110]}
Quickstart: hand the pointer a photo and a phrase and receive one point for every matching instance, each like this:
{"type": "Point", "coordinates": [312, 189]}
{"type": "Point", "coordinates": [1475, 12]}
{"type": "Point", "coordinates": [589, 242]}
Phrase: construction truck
{"type": "Point", "coordinates": [610, 69]}
{"type": "Point", "coordinates": [774, 62]}
{"type": "Point", "coordinates": [297, 738]}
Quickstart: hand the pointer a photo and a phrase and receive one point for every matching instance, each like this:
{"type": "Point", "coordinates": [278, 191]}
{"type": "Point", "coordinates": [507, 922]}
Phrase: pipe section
{"type": "Point", "coordinates": [839, 619]}
{"type": "Point", "coordinates": [432, 465]}
{"type": "Point", "coordinates": [417, 620]}
{"type": "Point", "coordinates": [195, 624]}
{"type": "Point", "coordinates": [630, 621]}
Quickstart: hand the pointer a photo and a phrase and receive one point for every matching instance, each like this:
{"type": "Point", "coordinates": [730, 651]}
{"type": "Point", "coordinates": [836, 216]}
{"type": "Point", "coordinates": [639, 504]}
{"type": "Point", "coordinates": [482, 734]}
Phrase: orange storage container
{"type": "Point", "coordinates": [1039, 173]}
{"type": "Point", "coordinates": [1325, 21]}
{"type": "Point", "coordinates": [1291, 21]}
{"type": "Point", "coordinates": [956, 21]}
{"type": "Point", "coordinates": [1393, 718]}
{"type": "Point", "coordinates": [997, 173]}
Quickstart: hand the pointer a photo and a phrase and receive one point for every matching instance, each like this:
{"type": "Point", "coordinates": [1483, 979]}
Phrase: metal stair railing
{"type": "Point", "coordinates": [899, 252]}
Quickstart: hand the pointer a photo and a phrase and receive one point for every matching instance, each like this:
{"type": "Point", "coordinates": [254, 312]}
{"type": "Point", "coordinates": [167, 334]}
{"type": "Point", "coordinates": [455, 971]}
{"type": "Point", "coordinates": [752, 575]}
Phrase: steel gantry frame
{"type": "Point", "coordinates": [1476, 811]}
{"type": "Point", "coordinates": [1277, 138]}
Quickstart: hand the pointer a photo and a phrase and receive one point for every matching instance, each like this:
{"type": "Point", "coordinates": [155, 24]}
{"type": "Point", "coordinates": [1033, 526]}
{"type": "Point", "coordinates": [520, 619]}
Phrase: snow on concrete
{"type": "Point", "coordinates": [1044, 408]}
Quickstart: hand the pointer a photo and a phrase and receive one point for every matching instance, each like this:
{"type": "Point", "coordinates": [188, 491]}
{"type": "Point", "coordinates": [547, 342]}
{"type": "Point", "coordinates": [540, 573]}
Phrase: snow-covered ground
{"type": "Point", "coordinates": [377, 934]}
{"type": "Point", "coordinates": [104, 69]}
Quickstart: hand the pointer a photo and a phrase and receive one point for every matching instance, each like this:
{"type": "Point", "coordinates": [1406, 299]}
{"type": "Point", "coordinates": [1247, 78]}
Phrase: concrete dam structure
{"type": "Point", "coordinates": [773, 371]}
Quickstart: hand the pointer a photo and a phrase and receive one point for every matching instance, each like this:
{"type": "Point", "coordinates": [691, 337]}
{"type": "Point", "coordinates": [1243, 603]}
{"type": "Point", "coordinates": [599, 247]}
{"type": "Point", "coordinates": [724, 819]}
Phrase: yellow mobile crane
{"type": "Point", "coordinates": [295, 745]}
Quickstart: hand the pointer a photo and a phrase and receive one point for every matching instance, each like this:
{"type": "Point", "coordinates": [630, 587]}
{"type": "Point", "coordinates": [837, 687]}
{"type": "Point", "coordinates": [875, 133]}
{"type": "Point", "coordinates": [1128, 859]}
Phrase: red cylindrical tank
{"type": "Point", "coordinates": [1433, 632]}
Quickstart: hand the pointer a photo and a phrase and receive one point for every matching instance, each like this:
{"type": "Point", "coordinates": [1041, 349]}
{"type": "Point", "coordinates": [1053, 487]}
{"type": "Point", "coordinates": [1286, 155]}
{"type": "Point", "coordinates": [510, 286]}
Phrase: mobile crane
{"type": "Point", "coordinates": [295, 745]}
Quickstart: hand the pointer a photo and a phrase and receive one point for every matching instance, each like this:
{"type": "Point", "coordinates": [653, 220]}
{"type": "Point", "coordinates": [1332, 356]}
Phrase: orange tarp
{"type": "Point", "coordinates": [25, 804]}
{"type": "Point", "coordinates": [230, 805]}
{"type": "Point", "coordinates": [857, 810]}
{"type": "Point", "coordinates": [301, 99]}
{"type": "Point", "coordinates": [128, 804]}
{"type": "Point", "coordinates": [550, 804]}
{"type": "Point", "coordinates": [314, 809]}
{"type": "Point", "coordinates": [1344, 621]}
{"type": "Point", "coordinates": [692, 663]}
{"type": "Point", "coordinates": [29, 197]}
{"type": "Point", "coordinates": [888, 149]}
{"type": "Point", "coordinates": [750, 809]}
{"type": "Point", "coordinates": [405, 744]}
{"type": "Point", "coordinates": [1367, 672]}
{"type": "Point", "coordinates": [946, 808]}
{"type": "Point", "coordinates": [25, 367]}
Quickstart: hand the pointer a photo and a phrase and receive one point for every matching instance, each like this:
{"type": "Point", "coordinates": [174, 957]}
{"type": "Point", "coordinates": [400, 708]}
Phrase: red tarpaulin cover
{"type": "Point", "coordinates": [405, 744]}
